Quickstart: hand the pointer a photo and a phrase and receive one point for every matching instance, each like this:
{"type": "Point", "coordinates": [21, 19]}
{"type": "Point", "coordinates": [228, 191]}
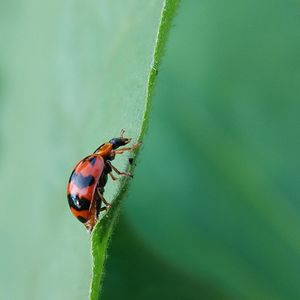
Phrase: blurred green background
{"type": "Point", "coordinates": [213, 210]}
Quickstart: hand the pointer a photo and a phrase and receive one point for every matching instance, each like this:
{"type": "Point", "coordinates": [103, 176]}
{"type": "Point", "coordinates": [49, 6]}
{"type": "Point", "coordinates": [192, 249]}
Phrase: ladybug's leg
{"type": "Point", "coordinates": [112, 176]}
{"type": "Point", "coordinates": [120, 151]}
{"type": "Point", "coordinates": [103, 200]}
{"type": "Point", "coordinates": [119, 172]}
{"type": "Point", "coordinates": [92, 220]}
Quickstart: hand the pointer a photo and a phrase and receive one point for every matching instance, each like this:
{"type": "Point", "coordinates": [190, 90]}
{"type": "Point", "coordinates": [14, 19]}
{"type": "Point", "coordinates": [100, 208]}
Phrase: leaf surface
{"type": "Point", "coordinates": [103, 230]}
{"type": "Point", "coordinates": [72, 75]}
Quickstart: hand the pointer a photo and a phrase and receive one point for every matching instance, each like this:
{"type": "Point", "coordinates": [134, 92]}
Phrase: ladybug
{"type": "Point", "coordinates": [87, 181]}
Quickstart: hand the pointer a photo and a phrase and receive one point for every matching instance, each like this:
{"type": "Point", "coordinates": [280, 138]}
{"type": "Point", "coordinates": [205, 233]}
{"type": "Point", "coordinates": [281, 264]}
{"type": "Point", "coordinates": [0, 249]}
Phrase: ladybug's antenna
{"type": "Point", "coordinates": [122, 133]}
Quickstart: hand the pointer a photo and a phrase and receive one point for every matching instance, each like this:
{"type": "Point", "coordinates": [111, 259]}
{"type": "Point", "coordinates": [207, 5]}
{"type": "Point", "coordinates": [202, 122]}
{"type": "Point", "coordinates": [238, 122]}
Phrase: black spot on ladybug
{"type": "Point", "coordinates": [78, 203]}
{"type": "Point", "coordinates": [82, 219]}
{"type": "Point", "coordinates": [82, 181]}
{"type": "Point", "coordinates": [92, 160]}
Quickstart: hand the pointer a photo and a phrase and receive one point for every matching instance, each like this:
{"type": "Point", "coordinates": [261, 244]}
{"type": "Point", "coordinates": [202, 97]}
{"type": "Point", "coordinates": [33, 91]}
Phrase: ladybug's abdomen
{"type": "Point", "coordinates": [82, 185]}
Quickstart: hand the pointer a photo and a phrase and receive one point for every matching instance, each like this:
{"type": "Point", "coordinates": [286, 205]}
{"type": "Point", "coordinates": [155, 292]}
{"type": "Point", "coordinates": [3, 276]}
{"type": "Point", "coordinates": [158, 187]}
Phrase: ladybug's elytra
{"type": "Point", "coordinates": [86, 184]}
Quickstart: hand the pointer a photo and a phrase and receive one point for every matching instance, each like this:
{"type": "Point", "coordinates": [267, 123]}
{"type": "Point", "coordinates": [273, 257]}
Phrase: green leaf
{"type": "Point", "coordinates": [130, 256]}
{"type": "Point", "coordinates": [103, 230]}
{"type": "Point", "coordinates": [73, 74]}
{"type": "Point", "coordinates": [216, 195]}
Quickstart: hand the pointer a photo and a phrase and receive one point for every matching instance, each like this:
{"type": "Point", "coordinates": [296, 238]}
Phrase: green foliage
{"type": "Point", "coordinates": [104, 229]}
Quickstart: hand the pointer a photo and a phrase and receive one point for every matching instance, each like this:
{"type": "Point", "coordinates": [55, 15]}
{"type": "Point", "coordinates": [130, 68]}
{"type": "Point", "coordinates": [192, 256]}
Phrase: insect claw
{"type": "Point", "coordinates": [127, 174]}
{"type": "Point", "coordinates": [136, 145]}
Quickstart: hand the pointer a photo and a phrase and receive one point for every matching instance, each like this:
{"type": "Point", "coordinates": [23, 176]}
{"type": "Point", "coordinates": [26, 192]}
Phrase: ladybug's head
{"type": "Point", "coordinates": [118, 142]}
